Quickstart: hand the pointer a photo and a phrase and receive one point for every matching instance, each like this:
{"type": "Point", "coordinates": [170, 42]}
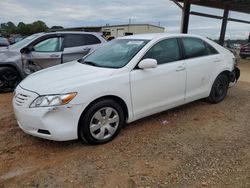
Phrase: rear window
{"type": "Point", "coordinates": [195, 47]}
{"type": "Point", "coordinates": [80, 40]}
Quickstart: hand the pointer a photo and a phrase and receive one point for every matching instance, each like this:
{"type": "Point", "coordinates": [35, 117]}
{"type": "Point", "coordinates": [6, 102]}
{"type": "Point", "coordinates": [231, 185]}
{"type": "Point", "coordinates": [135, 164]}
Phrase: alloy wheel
{"type": "Point", "coordinates": [104, 123]}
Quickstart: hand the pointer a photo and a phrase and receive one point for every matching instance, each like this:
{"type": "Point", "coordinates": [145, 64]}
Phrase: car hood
{"type": "Point", "coordinates": [63, 77]}
{"type": "Point", "coordinates": [7, 55]}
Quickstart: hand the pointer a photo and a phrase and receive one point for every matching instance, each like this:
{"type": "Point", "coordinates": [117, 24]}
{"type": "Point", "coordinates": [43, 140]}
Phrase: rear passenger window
{"type": "Point", "coordinates": [91, 39]}
{"type": "Point", "coordinates": [210, 50]}
{"type": "Point", "coordinates": [80, 40]}
{"type": "Point", "coordinates": [194, 47]}
{"type": "Point", "coordinates": [164, 51]}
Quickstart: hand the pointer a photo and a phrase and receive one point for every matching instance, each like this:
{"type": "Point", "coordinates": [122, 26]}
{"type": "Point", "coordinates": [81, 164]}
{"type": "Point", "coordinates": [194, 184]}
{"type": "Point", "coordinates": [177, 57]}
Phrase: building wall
{"type": "Point", "coordinates": [119, 31]}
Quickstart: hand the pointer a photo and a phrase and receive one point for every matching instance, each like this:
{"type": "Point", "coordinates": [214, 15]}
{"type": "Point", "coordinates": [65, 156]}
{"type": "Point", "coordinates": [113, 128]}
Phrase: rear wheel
{"type": "Point", "coordinates": [9, 79]}
{"type": "Point", "coordinates": [219, 89]}
{"type": "Point", "coordinates": [101, 123]}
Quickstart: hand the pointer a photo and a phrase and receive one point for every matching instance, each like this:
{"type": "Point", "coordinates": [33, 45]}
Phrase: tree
{"type": "Point", "coordinates": [25, 29]}
{"type": "Point", "coordinates": [38, 26]}
{"type": "Point", "coordinates": [8, 28]}
{"type": "Point", "coordinates": [56, 27]}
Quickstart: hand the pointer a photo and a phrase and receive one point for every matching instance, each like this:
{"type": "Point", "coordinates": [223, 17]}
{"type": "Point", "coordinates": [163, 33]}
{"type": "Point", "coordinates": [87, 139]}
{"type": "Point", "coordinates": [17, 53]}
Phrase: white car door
{"type": "Point", "coordinates": [201, 63]}
{"type": "Point", "coordinates": [157, 89]}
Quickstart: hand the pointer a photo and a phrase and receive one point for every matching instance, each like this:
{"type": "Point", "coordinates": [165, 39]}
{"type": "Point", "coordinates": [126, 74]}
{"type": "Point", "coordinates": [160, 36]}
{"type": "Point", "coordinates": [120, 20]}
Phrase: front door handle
{"type": "Point", "coordinates": [54, 56]}
{"type": "Point", "coordinates": [86, 49]}
{"type": "Point", "coordinates": [180, 68]}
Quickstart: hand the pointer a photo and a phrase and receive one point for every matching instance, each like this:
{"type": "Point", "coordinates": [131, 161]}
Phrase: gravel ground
{"type": "Point", "coordinates": [196, 145]}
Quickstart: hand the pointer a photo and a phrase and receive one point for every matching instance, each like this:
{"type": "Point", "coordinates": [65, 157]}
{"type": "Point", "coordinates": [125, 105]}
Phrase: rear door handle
{"type": "Point", "coordinates": [180, 68]}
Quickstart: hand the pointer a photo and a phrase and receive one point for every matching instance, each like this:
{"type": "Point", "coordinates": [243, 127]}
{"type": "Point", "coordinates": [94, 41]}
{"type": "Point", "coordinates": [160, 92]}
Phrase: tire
{"type": "Point", "coordinates": [219, 89]}
{"type": "Point", "coordinates": [101, 122]}
{"type": "Point", "coordinates": [9, 79]}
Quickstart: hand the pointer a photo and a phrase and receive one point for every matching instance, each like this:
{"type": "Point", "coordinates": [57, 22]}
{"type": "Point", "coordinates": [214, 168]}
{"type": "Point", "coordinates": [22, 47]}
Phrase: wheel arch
{"type": "Point", "coordinates": [225, 72]}
{"type": "Point", "coordinates": [12, 66]}
{"type": "Point", "coordinates": [120, 101]}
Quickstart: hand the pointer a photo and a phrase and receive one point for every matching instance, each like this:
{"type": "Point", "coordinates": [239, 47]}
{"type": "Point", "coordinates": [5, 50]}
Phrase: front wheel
{"type": "Point", "coordinates": [9, 79]}
{"type": "Point", "coordinates": [101, 123]}
{"type": "Point", "coordinates": [219, 89]}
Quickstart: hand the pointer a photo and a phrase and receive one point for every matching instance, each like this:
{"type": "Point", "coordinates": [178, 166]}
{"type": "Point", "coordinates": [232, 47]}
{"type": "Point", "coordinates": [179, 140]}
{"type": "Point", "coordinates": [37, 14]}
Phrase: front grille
{"type": "Point", "coordinates": [21, 99]}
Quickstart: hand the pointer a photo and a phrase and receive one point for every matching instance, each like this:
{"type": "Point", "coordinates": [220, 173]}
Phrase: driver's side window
{"type": "Point", "coordinates": [164, 51]}
{"type": "Point", "coordinates": [49, 45]}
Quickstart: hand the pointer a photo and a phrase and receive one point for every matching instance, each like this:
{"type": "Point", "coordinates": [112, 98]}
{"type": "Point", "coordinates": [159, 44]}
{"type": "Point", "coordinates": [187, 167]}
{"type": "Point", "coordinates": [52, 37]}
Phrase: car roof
{"type": "Point", "coordinates": [73, 32]}
{"type": "Point", "coordinates": [153, 36]}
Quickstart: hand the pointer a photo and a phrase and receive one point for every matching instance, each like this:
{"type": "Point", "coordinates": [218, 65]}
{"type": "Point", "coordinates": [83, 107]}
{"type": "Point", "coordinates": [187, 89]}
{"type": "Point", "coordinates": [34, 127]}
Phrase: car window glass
{"type": "Point", "coordinates": [49, 45]}
{"type": "Point", "coordinates": [210, 50]}
{"type": "Point", "coordinates": [164, 51]}
{"type": "Point", "coordinates": [80, 40]}
{"type": "Point", "coordinates": [91, 39]}
{"type": "Point", "coordinates": [194, 47]}
{"type": "Point", "coordinates": [115, 54]}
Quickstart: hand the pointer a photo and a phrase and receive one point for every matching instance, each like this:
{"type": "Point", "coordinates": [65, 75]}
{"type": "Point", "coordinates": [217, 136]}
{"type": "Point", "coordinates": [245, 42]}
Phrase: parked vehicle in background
{"type": "Point", "coordinates": [231, 48]}
{"type": "Point", "coordinates": [245, 51]}
{"type": "Point", "coordinates": [15, 38]}
{"type": "Point", "coordinates": [3, 42]}
{"type": "Point", "coordinates": [124, 80]}
{"type": "Point", "coordinates": [41, 51]}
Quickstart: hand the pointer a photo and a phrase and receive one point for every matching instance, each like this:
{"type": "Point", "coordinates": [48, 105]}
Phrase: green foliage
{"type": "Point", "coordinates": [23, 29]}
{"type": "Point", "coordinates": [56, 27]}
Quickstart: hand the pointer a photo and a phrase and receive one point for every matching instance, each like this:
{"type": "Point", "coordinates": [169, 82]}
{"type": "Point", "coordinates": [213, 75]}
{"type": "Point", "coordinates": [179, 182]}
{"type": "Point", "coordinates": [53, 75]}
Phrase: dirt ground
{"type": "Point", "coordinates": [196, 145]}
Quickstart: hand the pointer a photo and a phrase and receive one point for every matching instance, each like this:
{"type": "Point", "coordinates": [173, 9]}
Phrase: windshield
{"type": "Point", "coordinates": [115, 54]}
{"type": "Point", "coordinates": [25, 41]}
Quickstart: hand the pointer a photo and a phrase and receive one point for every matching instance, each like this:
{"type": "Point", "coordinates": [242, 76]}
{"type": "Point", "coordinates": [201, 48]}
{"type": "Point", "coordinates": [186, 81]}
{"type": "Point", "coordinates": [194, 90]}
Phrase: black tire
{"type": "Point", "coordinates": [84, 133]}
{"type": "Point", "coordinates": [9, 79]}
{"type": "Point", "coordinates": [219, 89]}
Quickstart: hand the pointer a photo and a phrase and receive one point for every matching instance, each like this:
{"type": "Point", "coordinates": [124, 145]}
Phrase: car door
{"type": "Point", "coordinates": [77, 46]}
{"type": "Point", "coordinates": [201, 62]}
{"type": "Point", "coordinates": [157, 89]}
{"type": "Point", "coordinates": [44, 54]}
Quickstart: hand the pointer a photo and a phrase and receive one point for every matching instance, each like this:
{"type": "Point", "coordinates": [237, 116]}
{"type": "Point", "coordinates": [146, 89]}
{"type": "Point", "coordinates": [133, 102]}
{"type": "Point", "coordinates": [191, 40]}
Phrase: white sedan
{"type": "Point", "coordinates": [124, 80]}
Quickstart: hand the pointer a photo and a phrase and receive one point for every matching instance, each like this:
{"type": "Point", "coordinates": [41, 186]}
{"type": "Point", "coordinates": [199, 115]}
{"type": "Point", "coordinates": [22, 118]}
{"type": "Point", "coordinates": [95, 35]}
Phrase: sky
{"type": "Point", "coordinates": [76, 13]}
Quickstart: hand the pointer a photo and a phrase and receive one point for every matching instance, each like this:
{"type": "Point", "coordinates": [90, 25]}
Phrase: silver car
{"type": "Point", "coordinates": [4, 42]}
{"type": "Point", "coordinates": [41, 51]}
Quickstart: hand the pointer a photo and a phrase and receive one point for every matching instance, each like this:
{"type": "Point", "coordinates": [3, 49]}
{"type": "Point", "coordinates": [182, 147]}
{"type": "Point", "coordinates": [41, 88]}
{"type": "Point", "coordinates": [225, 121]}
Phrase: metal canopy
{"type": "Point", "coordinates": [234, 5]}
{"type": "Point", "coordinates": [227, 5]}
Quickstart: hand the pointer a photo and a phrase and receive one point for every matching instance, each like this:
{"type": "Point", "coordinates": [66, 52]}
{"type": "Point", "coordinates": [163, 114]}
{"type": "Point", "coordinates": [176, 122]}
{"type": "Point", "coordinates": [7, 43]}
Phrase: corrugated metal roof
{"type": "Point", "coordinates": [234, 5]}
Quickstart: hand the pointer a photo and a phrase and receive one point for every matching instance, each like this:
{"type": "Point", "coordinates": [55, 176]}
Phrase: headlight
{"type": "Point", "coordinates": [52, 100]}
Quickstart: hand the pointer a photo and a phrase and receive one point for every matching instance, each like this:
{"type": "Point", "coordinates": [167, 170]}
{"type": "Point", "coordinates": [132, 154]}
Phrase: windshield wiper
{"type": "Point", "coordinates": [90, 63]}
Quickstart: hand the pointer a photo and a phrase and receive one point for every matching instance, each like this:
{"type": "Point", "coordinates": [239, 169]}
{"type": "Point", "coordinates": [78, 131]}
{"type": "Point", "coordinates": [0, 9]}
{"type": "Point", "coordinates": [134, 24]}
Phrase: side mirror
{"type": "Point", "coordinates": [147, 64]}
{"type": "Point", "coordinates": [26, 49]}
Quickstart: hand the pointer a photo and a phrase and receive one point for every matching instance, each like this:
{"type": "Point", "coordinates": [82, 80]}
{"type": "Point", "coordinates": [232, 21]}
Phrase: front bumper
{"type": "Point", "coordinates": [53, 123]}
